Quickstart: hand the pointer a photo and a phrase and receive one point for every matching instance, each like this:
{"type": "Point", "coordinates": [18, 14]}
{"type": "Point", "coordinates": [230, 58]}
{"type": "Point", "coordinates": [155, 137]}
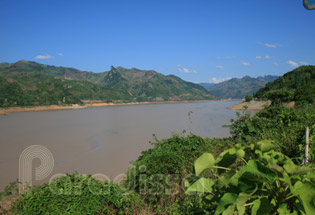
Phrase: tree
{"type": "Point", "coordinates": [279, 96]}
{"type": "Point", "coordinates": [248, 98]}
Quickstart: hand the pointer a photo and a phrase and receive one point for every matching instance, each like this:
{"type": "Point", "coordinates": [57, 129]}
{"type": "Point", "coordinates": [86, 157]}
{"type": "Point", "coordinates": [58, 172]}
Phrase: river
{"type": "Point", "coordinates": [103, 140]}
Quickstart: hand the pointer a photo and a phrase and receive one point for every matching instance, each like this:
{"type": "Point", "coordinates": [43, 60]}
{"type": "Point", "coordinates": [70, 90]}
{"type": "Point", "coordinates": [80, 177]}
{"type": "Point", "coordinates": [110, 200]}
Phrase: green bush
{"type": "Point", "coordinates": [286, 126]}
{"type": "Point", "coordinates": [248, 98]}
{"type": "Point", "coordinates": [159, 172]}
{"type": "Point", "coordinates": [78, 194]}
{"type": "Point", "coordinates": [254, 180]}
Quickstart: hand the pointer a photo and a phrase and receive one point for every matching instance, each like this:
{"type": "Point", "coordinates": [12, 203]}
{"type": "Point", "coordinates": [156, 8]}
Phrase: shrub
{"type": "Point", "coordinates": [286, 126]}
{"type": "Point", "coordinates": [159, 172]}
{"type": "Point", "coordinates": [248, 98]}
{"type": "Point", "coordinates": [254, 180]}
{"type": "Point", "coordinates": [78, 194]}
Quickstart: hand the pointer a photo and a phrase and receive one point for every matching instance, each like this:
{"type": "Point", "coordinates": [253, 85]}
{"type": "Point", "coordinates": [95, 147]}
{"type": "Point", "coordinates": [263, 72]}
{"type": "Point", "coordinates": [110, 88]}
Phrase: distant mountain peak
{"type": "Point", "coordinates": [113, 77]}
{"type": "Point", "coordinates": [238, 88]}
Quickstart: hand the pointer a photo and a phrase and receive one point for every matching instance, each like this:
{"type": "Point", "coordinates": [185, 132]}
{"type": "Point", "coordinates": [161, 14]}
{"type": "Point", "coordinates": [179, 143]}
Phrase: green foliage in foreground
{"type": "Point", "coordinates": [159, 172]}
{"type": "Point", "coordinates": [286, 126]}
{"type": "Point", "coordinates": [78, 194]}
{"type": "Point", "coordinates": [254, 180]}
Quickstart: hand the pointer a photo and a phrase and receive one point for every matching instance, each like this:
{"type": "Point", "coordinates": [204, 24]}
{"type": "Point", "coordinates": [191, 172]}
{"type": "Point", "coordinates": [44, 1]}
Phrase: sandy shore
{"type": "Point", "coordinates": [5, 111]}
{"type": "Point", "coordinates": [257, 105]}
{"type": "Point", "coordinates": [251, 106]}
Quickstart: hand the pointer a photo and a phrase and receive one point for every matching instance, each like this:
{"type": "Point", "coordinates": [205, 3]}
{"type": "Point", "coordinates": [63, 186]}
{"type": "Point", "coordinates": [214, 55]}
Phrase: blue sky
{"type": "Point", "coordinates": [199, 41]}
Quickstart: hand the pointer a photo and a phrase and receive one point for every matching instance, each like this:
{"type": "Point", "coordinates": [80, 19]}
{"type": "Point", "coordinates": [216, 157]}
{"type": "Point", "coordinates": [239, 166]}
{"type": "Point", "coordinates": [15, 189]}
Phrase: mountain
{"type": "Point", "coordinates": [296, 85]}
{"type": "Point", "coordinates": [27, 83]}
{"type": "Point", "coordinates": [206, 84]}
{"type": "Point", "coordinates": [238, 88]}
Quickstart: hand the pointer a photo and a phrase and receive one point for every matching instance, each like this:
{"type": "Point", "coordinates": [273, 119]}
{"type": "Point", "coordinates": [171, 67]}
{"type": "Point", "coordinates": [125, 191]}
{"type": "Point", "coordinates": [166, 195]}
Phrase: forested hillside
{"type": "Point", "coordinates": [27, 83]}
{"type": "Point", "coordinates": [297, 85]}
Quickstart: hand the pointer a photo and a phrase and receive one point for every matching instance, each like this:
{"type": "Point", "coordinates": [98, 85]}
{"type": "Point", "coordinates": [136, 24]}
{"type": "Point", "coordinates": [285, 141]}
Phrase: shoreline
{"type": "Point", "coordinates": [251, 106]}
{"type": "Point", "coordinates": [257, 105]}
{"type": "Point", "coordinates": [5, 111]}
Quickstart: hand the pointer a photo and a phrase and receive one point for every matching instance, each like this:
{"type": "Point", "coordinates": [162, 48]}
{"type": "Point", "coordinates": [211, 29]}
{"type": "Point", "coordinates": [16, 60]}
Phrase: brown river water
{"type": "Point", "coordinates": [102, 140]}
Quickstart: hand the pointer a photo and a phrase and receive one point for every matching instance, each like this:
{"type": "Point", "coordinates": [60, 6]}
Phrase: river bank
{"type": "Point", "coordinates": [251, 106]}
{"type": "Point", "coordinates": [257, 105]}
{"type": "Point", "coordinates": [5, 111]}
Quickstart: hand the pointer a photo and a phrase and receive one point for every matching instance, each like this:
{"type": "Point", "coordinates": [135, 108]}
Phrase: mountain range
{"type": "Point", "coordinates": [238, 88]}
{"type": "Point", "coordinates": [27, 83]}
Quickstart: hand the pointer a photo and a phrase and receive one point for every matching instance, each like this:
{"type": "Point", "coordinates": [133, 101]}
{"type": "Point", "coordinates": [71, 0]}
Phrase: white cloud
{"type": "Point", "coordinates": [271, 45]}
{"type": "Point", "coordinates": [219, 67]}
{"type": "Point", "coordinates": [304, 63]}
{"type": "Point", "coordinates": [292, 63]}
{"type": "Point", "coordinates": [295, 64]}
{"type": "Point", "coordinates": [185, 70]}
{"type": "Point", "coordinates": [218, 80]}
{"type": "Point", "coordinates": [265, 57]}
{"type": "Point", "coordinates": [245, 63]}
{"type": "Point", "coordinates": [47, 56]}
{"type": "Point", "coordinates": [60, 54]}
{"type": "Point", "coordinates": [275, 63]}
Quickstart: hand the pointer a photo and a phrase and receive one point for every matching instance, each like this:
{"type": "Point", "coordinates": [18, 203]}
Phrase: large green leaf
{"type": "Point", "coordinates": [230, 210]}
{"type": "Point", "coordinates": [240, 202]}
{"type": "Point", "coordinates": [256, 171]}
{"type": "Point", "coordinates": [293, 169]}
{"type": "Point", "coordinates": [226, 179]}
{"type": "Point", "coordinates": [306, 193]}
{"type": "Point", "coordinates": [228, 157]}
{"type": "Point", "coordinates": [266, 146]}
{"type": "Point", "coordinates": [261, 207]}
{"type": "Point", "coordinates": [283, 210]}
{"type": "Point", "coordinates": [202, 185]}
{"type": "Point", "coordinates": [204, 162]}
{"type": "Point", "coordinates": [224, 203]}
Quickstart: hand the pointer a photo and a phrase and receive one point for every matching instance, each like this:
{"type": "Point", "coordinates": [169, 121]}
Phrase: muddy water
{"type": "Point", "coordinates": [102, 139]}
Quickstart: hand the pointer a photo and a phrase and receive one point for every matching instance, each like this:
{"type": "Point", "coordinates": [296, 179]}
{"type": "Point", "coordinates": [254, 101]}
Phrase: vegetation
{"type": "Point", "coordinates": [297, 85]}
{"type": "Point", "coordinates": [159, 172]}
{"type": "Point", "coordinates": [286, 126]}
{"type": "Point", "coordinates": [256, 179]}
{"type": "Point", "coordinates": [248, 98]}
{"type": "Point", "coordinates": [238, 88]}
{"type": "Point", "coordinates": [261, 174]}
{"type": "Point", "coordinates": [78, 194]}
{"type": "Point", "coordinates": [29, 84]}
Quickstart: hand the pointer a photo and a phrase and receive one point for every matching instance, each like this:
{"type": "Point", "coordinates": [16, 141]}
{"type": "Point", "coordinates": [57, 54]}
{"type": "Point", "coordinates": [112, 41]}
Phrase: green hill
{"type": "Point", "coordinates": [238, 88]}
{"type": "Point", "coordinates": [206, 84]}
{"type": "Point", "coordinates": [297, 85]}
{"type": "Point", "coordinates": [27, 83]}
